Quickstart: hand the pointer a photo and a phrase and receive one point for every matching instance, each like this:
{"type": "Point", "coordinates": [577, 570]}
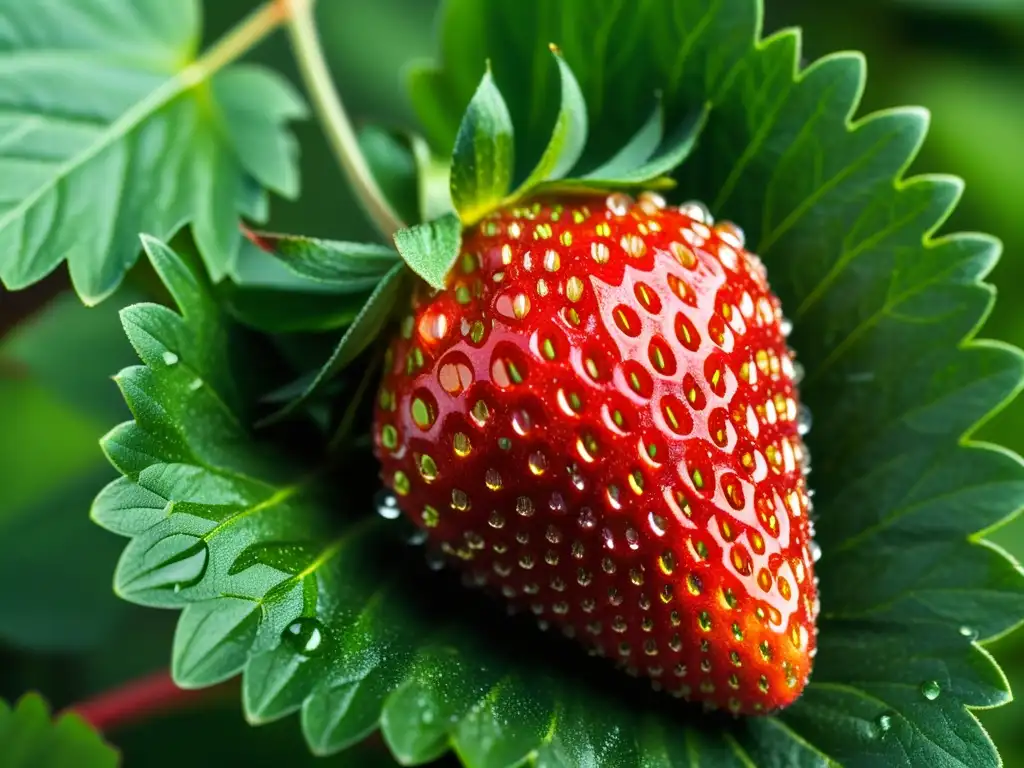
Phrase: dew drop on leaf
{"type": "Point", "coordinates": [169, 358]}
{"type": "Point", "coordinates": [305, 635]}
{"type": "Point", "coordinates": [969, 632]}
{"type": "Point", "coordinates": [930, 690]}
{"type": "Point", "coordinates": [884, 723]}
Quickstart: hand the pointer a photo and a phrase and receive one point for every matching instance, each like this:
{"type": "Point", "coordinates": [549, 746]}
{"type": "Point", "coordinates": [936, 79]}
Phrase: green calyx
{"type": "Point", "coordinates": [482, 169]}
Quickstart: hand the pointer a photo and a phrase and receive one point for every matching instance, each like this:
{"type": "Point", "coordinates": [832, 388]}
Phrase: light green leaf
{"type": "Point", "coordinates": [431, 249]}
{"type": "Point", "coordinates": [112, 126]}
{"type": "Point", "coordinates": [569, 137]}
{"type": "Point", "coordinates": [345, 267]}
{"type": "Point", "coordinates": [482, 162]}
{"type": "Point", "coordinates": [29, 738]}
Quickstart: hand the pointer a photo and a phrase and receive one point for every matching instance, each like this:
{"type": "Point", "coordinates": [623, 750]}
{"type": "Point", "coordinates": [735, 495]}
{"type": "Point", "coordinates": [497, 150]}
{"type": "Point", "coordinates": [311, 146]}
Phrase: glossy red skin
{"type": "Point", "coordinates": [707, 590]}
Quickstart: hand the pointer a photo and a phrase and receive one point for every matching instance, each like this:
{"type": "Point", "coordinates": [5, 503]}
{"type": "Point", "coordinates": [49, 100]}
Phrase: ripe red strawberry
{"type": "Point", "coordinates": [599, 419]}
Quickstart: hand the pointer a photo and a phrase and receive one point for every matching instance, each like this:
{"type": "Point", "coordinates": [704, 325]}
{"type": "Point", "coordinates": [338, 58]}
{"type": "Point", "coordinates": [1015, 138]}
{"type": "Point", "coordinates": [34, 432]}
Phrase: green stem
{"type": "Point", "coordinates": [245, 36]}
{"type": "Point", "coordinates": [335, 120]}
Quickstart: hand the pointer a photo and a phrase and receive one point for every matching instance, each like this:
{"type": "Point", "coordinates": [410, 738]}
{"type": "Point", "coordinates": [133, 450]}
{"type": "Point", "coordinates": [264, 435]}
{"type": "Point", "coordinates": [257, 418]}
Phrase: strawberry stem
{"type": "Point", "coordinates": [334, 119]}
{"type": "Point", "coordinates": [138, 700]}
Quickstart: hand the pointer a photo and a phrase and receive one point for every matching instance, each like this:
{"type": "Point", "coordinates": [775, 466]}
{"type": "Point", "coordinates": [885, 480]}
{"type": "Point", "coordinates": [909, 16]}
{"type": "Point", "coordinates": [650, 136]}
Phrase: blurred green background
{"type": "Point", "coordinates": [962, 59]}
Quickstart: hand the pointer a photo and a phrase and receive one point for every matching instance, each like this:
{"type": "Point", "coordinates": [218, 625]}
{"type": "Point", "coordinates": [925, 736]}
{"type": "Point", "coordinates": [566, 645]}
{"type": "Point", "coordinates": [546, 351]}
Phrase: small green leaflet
{"type": "Point", "coordinates": [483, 161]}
{"type": "Point", "coordinates": [569, 137]}
{"type": "Point", "coordinates": [431, 249]}
{"type": "Point", "coordinates": [29, 738]}
{"type": "Point", "coordinates": [630, 168]}
{"type": "Point", "coordinates": [348, 267]}
{"type": "Point", "coordinates": [364, 329]}
{"type": "Point", "coordinates": [115, 127]}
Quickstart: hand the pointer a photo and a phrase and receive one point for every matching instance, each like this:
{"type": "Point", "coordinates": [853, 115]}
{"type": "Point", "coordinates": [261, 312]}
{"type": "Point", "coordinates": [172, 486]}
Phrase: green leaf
{"type": "Point", "coordinates": [363, 330]}
{"type": "Point", "coordinates": [345, 267]}
{"type": "Point", "coordinates": [431, 249]}
{"type": "Point", "coordinates": [29, 738]}
{"type": "Point", "coordinates": [569, 137]}
{"type": "Point", "coordinates": [667, 159]}
{"type": "Point", "coordinates": [113, 126]}
{"type": "Point", "coordinates": [354, 633]}
{"type": "Point", "coordinates": [482, 162]}
{"type": "Point", "coordinates": [54, 406]}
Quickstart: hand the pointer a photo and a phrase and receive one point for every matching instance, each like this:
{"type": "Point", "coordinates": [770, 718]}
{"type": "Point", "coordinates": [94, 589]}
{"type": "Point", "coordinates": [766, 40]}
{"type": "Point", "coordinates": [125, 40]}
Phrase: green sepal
{"type": "Point", "coordinates": [483, 159]}
{"type": "Point", "coordinates": [430, 249]}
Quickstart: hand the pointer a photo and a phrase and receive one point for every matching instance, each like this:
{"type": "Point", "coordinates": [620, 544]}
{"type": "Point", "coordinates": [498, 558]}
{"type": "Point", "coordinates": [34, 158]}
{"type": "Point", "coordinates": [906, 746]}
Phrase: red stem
{"type": "Point", "coordinates": [137, 700]}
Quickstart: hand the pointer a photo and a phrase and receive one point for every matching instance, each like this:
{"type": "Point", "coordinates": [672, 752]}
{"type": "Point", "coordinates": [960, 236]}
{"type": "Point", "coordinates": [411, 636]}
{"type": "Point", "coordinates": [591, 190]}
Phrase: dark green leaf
{"type": "Point", "coordinates": [671, 156]}
{"type": "Point", "coordinates": [431, 249]}
{"type": "Point", "coordinates": [29, 738]}
{"type": "Point", "coordinates": [112, 126]}
{"type": "Point", "coordinates": [638, 151]}
{"type": "Point", "coordinates": [345, 267]}
{"type": "Point", "coordinates": [482, 162]}
{"type": "Point", "coordinates": [364, 329]}
{"type": "Point", "coordinates": [569, 137]}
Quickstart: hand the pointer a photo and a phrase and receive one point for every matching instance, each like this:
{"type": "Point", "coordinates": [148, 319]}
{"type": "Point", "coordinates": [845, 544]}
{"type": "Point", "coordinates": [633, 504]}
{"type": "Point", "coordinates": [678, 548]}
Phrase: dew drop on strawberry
{"type": "Point", "coordinates": [598, 422]}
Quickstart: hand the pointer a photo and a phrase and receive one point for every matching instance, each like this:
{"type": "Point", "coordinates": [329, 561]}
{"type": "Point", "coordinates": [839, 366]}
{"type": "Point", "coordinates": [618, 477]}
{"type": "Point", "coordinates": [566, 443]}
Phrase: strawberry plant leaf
{"type": "Point", "coordinates": [671, 156]}
{"type": "Point", "coordinates": [569, 137]}
{"type": "Point", "coordinates": [30, 738]}
{"type": "Point", "coordinates": [365, 327]}
{"type": "Point", "coordinates": [345, 267]}
{"type": "Point", "coordinates": [111, 96]}
{"type": "Point", "coordinates": [430, 249]}
{"type": "Point", "coordinates": [637, 151]}
{"type": "Point", "coordinates": [482, 162]}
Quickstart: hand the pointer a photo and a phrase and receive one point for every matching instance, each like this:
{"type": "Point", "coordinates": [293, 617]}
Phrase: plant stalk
{"type": "Point", "coordinates": [139, 700]}
{"type": "Point", "coordinates": [334, 119]}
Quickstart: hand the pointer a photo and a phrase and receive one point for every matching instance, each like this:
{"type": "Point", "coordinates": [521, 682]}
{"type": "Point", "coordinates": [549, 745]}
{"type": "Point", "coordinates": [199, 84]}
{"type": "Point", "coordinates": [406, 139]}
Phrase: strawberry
{"type": "Point", "coordinates": [598, 418]}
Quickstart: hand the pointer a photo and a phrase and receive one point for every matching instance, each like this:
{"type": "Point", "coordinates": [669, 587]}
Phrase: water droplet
{"type": "Point", "coordinates": [930, 690]}
{"type": "Point", "coordinates": [618, 203]}
{"type": "Point", "coordinates": [732, 234]}
{"type": "Point", "coordinates": [538, 463]}
{"type": "Point", "coordinates": [169, 358]}
{"type": "Point", "coordinates": [884, 723]}
{"type": "Point", "coordinates": [587, 518]}
{"type": "Point", "coordinates": [697, 211]}
{"type": "Point", "coordinates": [815, 550]}
{"type": "Point", "coordinates": [387, 505]}
{"type": "Point", "coordinates": [969, 632]}
{"type": "Point", "coordinates": [803, 419]}
{"type": "Point", "coordinates": [305, 635]}
{"type": "Point", "coordinates": [521, 423]}
{"type": "Point", "coordinates": [785, 327]}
